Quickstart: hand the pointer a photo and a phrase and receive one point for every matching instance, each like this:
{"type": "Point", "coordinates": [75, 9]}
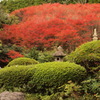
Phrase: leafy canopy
{"type": "Point", "coordinates": [58, 25]}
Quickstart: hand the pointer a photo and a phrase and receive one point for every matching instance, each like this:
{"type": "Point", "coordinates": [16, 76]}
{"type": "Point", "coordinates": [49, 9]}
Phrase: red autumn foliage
{"type": "Point", "coordinates": [4, 61]}
{"type": "Point", "coordinates": [13, 54]}
{"type": "Point", "coordinates": [6, 57]}
{"type": "Point", "coordinates": [47, 25]}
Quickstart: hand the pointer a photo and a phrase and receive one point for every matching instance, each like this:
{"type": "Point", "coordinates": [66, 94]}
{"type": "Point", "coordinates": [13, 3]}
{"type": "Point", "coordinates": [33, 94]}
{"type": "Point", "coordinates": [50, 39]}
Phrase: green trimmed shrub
{"type": "Point", "coordinates": [22, 61]}
{"type": "Point", "coordinates": [11, 77]}
{"type": "Point", "coordinates": [42, 78]}
{"type": "Point", "coordinates": [87, 55]}
{"type": "Point", "coordinates": [49, 76]}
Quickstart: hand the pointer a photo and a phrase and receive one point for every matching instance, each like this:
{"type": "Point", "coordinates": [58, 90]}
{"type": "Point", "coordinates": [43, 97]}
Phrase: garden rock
{"type": "Point", "coordinates": [12, 96]}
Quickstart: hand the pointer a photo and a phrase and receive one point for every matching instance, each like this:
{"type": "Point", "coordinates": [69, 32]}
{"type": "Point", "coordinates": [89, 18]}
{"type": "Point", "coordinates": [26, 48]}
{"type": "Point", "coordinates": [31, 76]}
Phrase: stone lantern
{"type": "Point", "coordinates": [59, 54]}
{"type": "Point", "coordinates": [95, 36]}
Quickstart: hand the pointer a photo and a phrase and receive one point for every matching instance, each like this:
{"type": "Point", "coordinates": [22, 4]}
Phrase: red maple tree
{"type": "Point", "coordinates": [46, 25]}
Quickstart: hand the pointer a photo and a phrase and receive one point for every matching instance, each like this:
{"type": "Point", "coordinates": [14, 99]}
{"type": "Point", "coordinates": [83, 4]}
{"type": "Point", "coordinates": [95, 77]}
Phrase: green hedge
{"type": "Point", "coordinates": [49, 76]}
{"type": "Point", "coordinates": [42, 78]}
{"type": "Point", "coordinates": [22, 61]}
{"type": "Point", "coordinates": [87, 55]}
{"type": "Point", "coordinates": [11, 77]}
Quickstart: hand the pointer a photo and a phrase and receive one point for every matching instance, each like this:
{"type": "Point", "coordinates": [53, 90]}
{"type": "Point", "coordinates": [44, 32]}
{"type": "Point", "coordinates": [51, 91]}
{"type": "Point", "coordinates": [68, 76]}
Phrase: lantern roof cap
{"type": "Point", "coordinates": [59, 52]}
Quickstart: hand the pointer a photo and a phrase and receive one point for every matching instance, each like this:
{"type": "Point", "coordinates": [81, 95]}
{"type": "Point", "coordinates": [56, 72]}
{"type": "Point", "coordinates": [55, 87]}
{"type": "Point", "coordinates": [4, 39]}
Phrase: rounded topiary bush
{"type": "Point", "coordinates": [11, 77]}
{"type": "Point", "coordinates": [87, 55]}
{"type": "Point", "coordinates": [22, 61]}
{"type": "Point", "coordinates": [49, 76]}
{"type": "Point", "coordinates": [42, 78]}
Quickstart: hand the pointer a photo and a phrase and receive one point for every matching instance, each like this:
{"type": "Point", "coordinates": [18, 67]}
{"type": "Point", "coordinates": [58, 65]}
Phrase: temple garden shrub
{"type": "Point", "coordinates": [91, 86]}
{"type": "Point", "coordinates": [69, 91]}
{"type": "Point", "coordinates": [11, 77]}
{"type": "Point", "coordinates": [42, 78]}
{"type": "Point", "coordinates": [49, 76]}
{"type": "Point", "coordinates": [87, 55]}
{"type": "Point", "coordinates": [18, 48]}
{"type": "Point", "coordinates": [40, 56]}
{"type": "Point", "coordinates": [46, 56]}
{"type": "Point", "coordinates": [33, 53]}
{"type": "Point", "coordinates": [22, 61]}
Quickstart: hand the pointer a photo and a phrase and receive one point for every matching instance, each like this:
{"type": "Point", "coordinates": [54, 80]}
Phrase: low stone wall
{"type": "Point", "coordinates": [12, 96]}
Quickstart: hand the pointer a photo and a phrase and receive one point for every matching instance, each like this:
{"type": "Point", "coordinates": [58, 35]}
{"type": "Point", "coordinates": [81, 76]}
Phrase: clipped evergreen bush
{"type": "Point", "coordinates": [42, 78]}
{"type": "Point", "coordinates": [87, 55]}
{"type": "Point", "coordinates": [22, 61]}
{"type": "Point", "coordinates": [11, 77]}
{"type": "Point", "coordinates": [49, 76]}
